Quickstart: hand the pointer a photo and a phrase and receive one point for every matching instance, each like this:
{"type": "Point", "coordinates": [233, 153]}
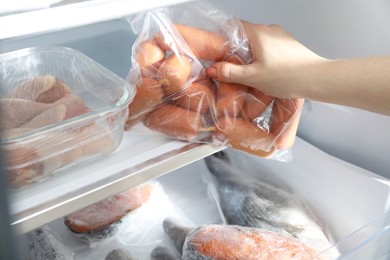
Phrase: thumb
{"type": "Point", "coordinates": [228, 72]}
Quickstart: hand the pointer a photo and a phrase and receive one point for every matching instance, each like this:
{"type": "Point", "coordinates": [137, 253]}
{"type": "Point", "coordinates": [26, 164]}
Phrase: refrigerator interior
{"type": "Point", "coordinates": [349, 197]}
{"type": "Point", "coordinates": [355, 212]}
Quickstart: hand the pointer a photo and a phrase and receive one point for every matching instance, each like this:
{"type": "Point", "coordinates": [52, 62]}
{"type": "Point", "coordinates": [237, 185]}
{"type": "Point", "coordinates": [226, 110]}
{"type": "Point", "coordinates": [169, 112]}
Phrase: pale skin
{"type": "Point", "coordinates": [285, 68]}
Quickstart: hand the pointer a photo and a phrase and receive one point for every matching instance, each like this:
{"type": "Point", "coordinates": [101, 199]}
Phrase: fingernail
{"type": "Point", "coordinates": [212, 72]}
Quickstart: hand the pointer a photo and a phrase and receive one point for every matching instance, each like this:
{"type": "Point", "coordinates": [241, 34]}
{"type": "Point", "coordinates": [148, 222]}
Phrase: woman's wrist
{"type": "Point", "coordinates": [313, 79]}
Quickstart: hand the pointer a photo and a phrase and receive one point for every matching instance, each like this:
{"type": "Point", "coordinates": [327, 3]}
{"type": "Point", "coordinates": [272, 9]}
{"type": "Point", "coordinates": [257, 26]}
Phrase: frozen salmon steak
{"type": "Point", "coordinates": [101, 215]}
{"type": "Point", "coordinates": [236, 242]}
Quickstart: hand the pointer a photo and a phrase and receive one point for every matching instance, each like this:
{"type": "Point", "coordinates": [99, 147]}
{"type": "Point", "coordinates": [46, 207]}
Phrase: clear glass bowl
{"type": "Point", "coordinates": [58, 108]}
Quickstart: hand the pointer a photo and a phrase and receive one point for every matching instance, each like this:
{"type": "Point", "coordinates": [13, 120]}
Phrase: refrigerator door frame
{"type": "Point", "coordinates": [67, 14]}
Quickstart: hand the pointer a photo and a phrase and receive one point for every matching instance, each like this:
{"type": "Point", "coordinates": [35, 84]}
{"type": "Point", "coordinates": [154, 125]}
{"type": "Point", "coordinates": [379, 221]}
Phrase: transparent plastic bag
{"type": "Point", "coordinates": [140, 223]}
{"type": "Point", "coordinates": [106, 218]}
{"type": "Point", "coordinates": [249, 197]}
{"type": "Point", "coordinates": [175, 97]}
{"type": "Point", "coordinates": [238, 242]}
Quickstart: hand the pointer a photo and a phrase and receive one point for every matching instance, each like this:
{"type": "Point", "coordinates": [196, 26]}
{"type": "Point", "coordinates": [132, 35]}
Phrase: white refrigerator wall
{"type": "Point", "coordinates": [335, 29]}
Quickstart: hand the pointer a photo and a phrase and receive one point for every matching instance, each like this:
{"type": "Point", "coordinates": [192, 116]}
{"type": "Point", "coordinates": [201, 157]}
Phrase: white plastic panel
{"type": "Point", "coordinates": [108, 43]}
{"type": "Point", "coordinates": [333, 28]}
{"type": "Point", "coordinates": [354, 135]}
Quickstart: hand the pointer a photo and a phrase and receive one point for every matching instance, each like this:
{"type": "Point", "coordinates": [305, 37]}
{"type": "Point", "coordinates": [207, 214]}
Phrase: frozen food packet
{"type": "Point", "coordinates": [245, 198]}
{"type": "Point", "coordinates": [129, 223]}
{"type": "Point", "coordinates": [176, 98]}
{"type": "Point", "coordinates": [219, 241]}
{"type": "Point", "coordinates": [149, 234]}
{"type": "Point", "coordinates": [163, 253]}
{"type": "Point", "coordinates": [119, 254]}
{"type": "Point", "coordinates": [177, 232]}
{"type": "Point", "coordinates": [104, 218]}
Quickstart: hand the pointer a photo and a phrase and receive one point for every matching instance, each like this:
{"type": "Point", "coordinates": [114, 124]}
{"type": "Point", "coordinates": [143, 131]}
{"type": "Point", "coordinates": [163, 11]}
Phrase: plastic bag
{"type": "Point", "coordinates": [237, 242]}
{"type": "Point", "coordinates": [249, 199]}
{"type": "Point", "coordinates": [42, 243]}
{"type": "Point", "coordinates": [175, 97]}
{"type": "Point", "coordinates": [135, 224]}
{"type": "Point", "coordinates": [105, 218]}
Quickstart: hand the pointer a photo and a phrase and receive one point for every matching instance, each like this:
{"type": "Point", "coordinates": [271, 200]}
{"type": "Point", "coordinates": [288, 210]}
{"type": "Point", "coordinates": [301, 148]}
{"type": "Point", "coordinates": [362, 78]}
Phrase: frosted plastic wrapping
{"type": "Point", "coordinates": [180, 216]}
{"type": "Point", "coordinates": [244, 199]}
{"type": "Point", "coordinates": [58, 108]}
{"type": "Point", "coordinates": [345, 207]}
{"type": "Point", "coordinates": [140, 223]}
{"type": "Point", "coordinates": [237, 242]}
{"type": "Point", "coordinates": [175, 97]}
{"type": "Point", "coordinates": [104, 219]}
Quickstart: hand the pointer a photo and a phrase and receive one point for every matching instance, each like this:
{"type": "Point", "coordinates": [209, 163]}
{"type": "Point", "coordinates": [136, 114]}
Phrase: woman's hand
{"type": "Point", "coordinates": [278, 66]}
{"type": "Point", "coordinates": [284, 68]}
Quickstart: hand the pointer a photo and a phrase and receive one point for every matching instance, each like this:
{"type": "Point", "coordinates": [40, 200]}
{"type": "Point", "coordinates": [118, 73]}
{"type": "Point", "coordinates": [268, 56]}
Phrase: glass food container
{"type": "Point", "coordinates": [58, 108]}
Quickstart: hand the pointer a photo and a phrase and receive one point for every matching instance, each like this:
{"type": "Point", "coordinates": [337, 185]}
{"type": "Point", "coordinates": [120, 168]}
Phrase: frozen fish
{"type": "Point", "coordinates": [235, 242]}
{"type": "Point", "coordinates": [245, 201]}
{"type": "Point", "coordinates": [42, 244]}
{"type": "Point", "coordinates": [176, 232]}
{"type": "Point", "coordinates": [98, 220]}
{"type": "Point", "coordinates": [163, 253]}
{"type": "Point", "coordinates": [119, 254]}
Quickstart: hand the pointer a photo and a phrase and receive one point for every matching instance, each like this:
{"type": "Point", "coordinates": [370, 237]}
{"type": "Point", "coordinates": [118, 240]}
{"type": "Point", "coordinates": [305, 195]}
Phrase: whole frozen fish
{"type": "Point", "coordinates": [163, 253]}
{"type": "Point", "coordinates": [119, 254]}
{"type": "Point", "coordinates": [42, 244]}
{"type": "Point", "coordinates": [245, 201]}
{"type": "Point", "coordinates": [177, 232]}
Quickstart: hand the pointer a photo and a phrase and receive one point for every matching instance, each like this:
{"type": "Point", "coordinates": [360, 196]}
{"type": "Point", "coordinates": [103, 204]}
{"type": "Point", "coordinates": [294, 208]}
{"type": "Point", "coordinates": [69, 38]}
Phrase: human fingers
{"type": "Point", "coordinates": [232, 73]}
